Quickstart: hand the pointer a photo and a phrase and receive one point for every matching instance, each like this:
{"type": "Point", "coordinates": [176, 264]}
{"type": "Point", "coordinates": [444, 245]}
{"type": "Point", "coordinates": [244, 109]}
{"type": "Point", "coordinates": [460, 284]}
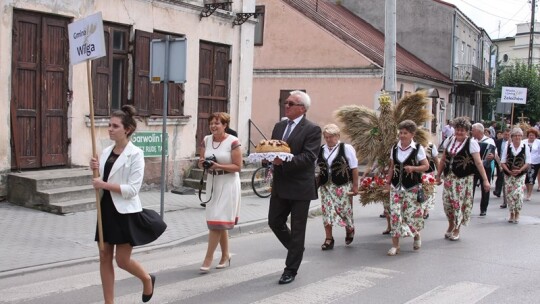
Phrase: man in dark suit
{"type": "Point", "coordinates": [294, 181]}
{"type": "Point", "coordinates": [502, 145]}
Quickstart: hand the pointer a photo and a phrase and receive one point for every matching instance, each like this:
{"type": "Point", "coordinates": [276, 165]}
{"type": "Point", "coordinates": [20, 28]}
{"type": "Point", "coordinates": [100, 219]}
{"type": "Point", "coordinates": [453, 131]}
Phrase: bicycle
{"type": "Point", "coordinates": [261, 180]}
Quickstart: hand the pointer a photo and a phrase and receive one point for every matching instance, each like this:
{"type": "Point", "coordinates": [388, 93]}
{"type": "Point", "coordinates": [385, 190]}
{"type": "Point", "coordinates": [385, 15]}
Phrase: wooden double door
{"type": "Point", "coordinates": [213, 85]}
{"type": "Point", "coordinates": [39, 88]}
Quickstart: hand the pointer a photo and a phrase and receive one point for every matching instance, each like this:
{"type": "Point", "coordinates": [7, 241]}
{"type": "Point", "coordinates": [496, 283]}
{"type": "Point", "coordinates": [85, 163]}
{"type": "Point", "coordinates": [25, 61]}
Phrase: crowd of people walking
{"type": "Point", "coordinates": [471, 154]}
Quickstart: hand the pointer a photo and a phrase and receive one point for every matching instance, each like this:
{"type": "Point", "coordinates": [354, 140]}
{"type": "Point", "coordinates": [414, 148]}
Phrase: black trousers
{"type": "Point", "coordinates": [292, 239]}
{"type": "Point", "coordinates": [499, 182]}
{"type": "Point", "coordinates": [484, 200]}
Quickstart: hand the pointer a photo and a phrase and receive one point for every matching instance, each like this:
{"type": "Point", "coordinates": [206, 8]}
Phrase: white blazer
{"type": "Point", "coordinates": [128, 172]}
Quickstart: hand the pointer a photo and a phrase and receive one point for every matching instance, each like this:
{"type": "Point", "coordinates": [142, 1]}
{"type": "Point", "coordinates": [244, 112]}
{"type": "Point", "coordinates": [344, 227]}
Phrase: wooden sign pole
{"type": "Point", "coordinates": [95, 172]}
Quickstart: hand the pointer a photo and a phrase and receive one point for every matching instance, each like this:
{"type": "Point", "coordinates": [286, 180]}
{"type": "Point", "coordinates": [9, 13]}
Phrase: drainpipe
{"type": "Point", "coordinates": [453, 91]}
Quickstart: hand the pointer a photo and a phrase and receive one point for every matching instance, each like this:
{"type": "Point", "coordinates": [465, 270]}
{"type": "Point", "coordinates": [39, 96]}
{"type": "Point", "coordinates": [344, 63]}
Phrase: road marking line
{"type": "Point", "coordinates": [83, 280]}
{"type": "Point", "coordinates": [462, 292]}
{"type": "Point", "coordinates": [207, 283]}
{"type": "Point", "coordinates": [333, 288]}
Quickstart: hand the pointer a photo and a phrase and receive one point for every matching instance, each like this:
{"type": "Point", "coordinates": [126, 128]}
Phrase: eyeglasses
{"type": "Point", "coordinates": [292, 104]}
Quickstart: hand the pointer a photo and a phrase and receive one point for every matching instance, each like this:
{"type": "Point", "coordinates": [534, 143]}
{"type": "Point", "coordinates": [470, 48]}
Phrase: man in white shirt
{"type": "Point", "coordinates": [448, 130]}
{"type": "Point", "coordinates": [488, 152]}
{"type": "Point", "coordinates": [492, 130]}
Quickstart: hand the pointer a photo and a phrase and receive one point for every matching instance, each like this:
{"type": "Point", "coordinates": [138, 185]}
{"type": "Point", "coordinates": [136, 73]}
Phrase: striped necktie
{"type": "Point", "coordinates": [288, 130]}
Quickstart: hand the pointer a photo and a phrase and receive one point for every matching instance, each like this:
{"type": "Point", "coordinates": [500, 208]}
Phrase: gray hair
{"type": "Point", "coordinates": [478, 126]}
{"type": "Point", "coordinates": [331, 129]}
{"type": "Point", "coordinates": [516, 131]}
{"type": "Point", "coordinates": [304, 98]}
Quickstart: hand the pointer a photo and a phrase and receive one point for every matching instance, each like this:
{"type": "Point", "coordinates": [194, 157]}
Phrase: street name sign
{"type": "Point", "coordinates": [150, 142]}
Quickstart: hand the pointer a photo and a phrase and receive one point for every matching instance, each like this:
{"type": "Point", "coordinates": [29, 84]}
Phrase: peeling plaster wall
{"type": "Point", "coordinates": [172, 16]}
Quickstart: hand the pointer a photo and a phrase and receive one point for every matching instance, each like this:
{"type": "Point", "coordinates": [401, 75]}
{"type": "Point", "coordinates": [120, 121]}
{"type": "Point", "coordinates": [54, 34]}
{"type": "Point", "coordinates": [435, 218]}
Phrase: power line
{"type": "Point", "coordinates": [517, 12]}
{"type": "Point", "coordinates": [484, 11]}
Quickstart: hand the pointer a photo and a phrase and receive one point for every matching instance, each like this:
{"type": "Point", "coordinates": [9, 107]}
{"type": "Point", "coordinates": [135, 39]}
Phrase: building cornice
{"type": "Point", "coordinates": [318, 73]}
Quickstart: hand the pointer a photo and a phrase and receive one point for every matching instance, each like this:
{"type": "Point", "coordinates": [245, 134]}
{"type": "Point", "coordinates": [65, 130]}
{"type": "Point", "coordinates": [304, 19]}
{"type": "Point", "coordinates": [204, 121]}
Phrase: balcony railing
{"type": "Point", "coordinates": [469, 72]}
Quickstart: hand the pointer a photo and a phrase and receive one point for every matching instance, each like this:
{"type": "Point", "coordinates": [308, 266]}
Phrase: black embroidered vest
{"type": "Point", "coordinates": [515, 161]}
{"type": "Point", "coordinates": [429, 157]}
{"type": "Point", "coordinates": [462, 164]}
{"type": "Point", "coordinates": [340, 174]}
{"type": "Point", "coordinates": [400, 177]}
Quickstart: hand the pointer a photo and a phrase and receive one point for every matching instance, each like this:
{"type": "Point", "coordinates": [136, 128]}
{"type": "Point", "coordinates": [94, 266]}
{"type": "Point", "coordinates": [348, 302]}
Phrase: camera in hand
{"type": "Point", "coordinates": [207, 163]}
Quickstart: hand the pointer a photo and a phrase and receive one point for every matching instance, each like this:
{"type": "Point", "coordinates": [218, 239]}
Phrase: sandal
{"type": "Point", "coordinates": [328, 244]}
{"type": "Point", "coordinates": [393, 251]}
{"type": "Point", "coordinates": [454, 237]}
{"type": "Point", "coordinates": [417, 243]}
{"type": "Point", "coordinates": [349, 237]}
{"type": "Point", "coordinates": [511, 219]}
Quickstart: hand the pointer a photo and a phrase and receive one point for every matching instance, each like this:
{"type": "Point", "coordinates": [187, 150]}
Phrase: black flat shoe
{"type": "Point", "coordinates": [146, 298]}
{"type": "Point", "coordinates": [328, 244]}
{"type": "Point", "coordinates": [386, 232]}
{"type": "Point", "coordinates": [286, 278]}
{"type": "Point", "coordinates": [382, 215]}
{"type": "Point", "coordinates": [349, 237]}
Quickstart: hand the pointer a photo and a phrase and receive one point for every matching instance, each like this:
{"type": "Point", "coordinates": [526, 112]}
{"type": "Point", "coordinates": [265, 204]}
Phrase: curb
{"type": "Point", "coordinates": [248, 227]}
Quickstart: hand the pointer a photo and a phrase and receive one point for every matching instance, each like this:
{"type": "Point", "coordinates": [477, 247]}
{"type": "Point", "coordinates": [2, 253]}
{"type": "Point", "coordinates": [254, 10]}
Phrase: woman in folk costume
{"type": "Point", "coordinates": [515, 162]}
{"type": "Point", "coordinates": [460, 157]}
{"type": "Point", "coordinates": [432, 156]}
{"type": "Point", "coordinates": [407, 162]}
{"type": "Point", "coordinates": [374, 133]}
{"type": "Point", "coordinates": [338, 179]}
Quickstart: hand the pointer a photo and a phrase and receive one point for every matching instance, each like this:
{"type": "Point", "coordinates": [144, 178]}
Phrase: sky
{"type": "Point", "coordinates": [497, 17]}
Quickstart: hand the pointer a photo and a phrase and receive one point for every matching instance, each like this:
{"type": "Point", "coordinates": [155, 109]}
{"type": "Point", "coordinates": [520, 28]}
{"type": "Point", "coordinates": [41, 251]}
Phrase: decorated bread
{"type": "Point", "coordinates": [272, 145]}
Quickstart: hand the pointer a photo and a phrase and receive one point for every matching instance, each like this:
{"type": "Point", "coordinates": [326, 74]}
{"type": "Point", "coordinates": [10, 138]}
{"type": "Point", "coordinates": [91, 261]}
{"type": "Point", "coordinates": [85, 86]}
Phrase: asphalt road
{"type": "Point", "coordinates": [493, 262]}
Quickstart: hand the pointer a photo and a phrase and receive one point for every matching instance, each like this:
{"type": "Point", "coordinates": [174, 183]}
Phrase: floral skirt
{"type": "Point", "coordinates": [515, 188]}
{"type": "Point", "coordinates": [406, 213]}
{"type": "Point", "coordinates": [336, 205]}
{"type": "Point", "coordinates": [429, 203]}
{"type": "Point", "coordinates": [458, 199]}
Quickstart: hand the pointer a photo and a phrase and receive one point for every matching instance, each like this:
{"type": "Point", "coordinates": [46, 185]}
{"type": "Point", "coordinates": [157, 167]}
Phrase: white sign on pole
{"type": "Point", "coordinates": [176, 63]}
{"type": "Point", "coordinates": [514, 95]}
{"type": "Point", "coordinates": [86, 39]}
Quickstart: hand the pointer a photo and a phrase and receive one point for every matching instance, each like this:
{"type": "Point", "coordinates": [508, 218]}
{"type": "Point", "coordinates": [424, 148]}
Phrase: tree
{"type": "Point", "coordinates": [523, 76]}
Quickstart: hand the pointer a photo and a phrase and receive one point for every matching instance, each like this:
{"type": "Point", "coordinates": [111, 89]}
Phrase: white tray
{"type": "Point", "coordinates": [269, 156]}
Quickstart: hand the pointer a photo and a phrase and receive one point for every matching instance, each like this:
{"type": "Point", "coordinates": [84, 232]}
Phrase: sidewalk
{"type": "Point", "coordinates": [33, 240]}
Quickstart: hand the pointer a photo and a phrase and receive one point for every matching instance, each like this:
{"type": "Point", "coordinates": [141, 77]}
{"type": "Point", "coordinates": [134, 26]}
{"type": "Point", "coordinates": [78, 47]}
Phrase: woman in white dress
{"type": "Point", "coordinates": [534, 147]}
{"type": "Point", "coordinates": [222, 187]}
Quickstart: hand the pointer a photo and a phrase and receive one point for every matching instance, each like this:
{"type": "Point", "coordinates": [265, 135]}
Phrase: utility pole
{"type": "Point", "coordinates": [390, 85]}
{"type": "Point", "coordinates": [531, 34]}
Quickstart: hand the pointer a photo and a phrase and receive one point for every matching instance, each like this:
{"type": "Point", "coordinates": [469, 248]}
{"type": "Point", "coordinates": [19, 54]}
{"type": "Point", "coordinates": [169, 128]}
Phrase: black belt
{"type": "Point", "coordinates": [218, 172]}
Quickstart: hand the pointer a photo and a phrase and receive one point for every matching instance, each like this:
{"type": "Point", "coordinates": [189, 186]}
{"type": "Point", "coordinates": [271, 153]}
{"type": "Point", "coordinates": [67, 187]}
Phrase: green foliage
{"type": "Point", "coordinates": [523, 76]}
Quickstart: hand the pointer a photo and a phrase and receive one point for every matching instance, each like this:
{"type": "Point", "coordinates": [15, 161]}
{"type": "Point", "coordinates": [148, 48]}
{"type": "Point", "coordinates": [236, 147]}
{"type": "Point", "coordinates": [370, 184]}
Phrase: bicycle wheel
{"type": "Point", "coordinates": [261, 182]}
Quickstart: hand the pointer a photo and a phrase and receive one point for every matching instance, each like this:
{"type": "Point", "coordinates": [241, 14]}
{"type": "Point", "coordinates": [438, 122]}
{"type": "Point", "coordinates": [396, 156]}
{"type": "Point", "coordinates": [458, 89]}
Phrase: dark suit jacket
{"type": "Point", "coordinates": [295, 180]}
{"type": "Point", "coordinates": [498, 143]}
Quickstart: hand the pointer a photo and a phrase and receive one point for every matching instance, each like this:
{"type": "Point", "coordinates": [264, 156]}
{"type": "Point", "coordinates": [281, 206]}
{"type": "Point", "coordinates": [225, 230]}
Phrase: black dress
{"type": "Point", "coordinates": [137, 229]}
